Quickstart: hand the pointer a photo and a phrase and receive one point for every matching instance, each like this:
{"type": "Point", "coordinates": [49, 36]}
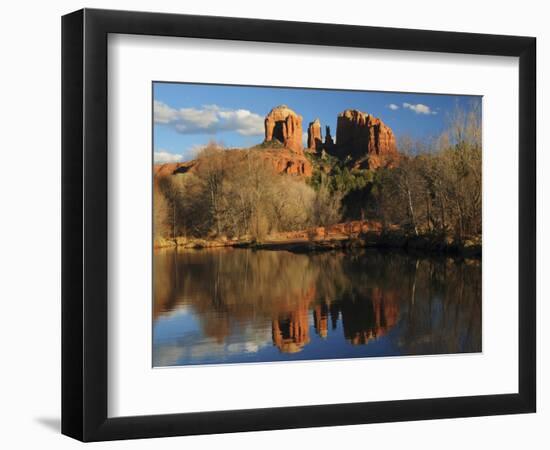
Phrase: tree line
{"type": "Point", "coordinates": [236, 195]}
{"type": "Point", "coordinates": [437, 186]}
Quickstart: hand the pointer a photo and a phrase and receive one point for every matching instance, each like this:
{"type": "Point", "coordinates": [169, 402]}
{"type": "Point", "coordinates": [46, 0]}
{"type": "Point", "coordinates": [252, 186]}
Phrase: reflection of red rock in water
{"type": "Point", "coordinates": [290, 327]}
{"type": "Point", "coordinates": [320, 319]}
{"type": "Point", "coordinates": [386, 309]}
{"type": "Point", "coordinates": [371, 318]}
{"type": "Point", "coordinates": [285, 291]}
{"type": "Point", "coordinates": [291, 330]}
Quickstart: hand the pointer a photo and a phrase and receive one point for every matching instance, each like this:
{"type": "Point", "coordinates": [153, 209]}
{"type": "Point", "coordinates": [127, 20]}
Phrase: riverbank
{"type": "Point", "coordinates": [391, 240]}
{"type": "Point", "coordinates": [354, 234]}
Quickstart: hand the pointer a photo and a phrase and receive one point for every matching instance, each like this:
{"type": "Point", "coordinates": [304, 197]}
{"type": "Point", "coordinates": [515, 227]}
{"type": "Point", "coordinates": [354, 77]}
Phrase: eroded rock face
{"type": "Point", "coordinates": [314, 138]}
{"type": "Point", "coordinates": [284, 125]}
{"type": "Point", "coordinates": [288, 162]}
{"type": "Point", "coordinates": [364, 138]}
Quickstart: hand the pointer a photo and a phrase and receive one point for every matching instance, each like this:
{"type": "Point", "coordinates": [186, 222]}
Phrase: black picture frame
{"type": "Point", "coordinates": [84, 224]}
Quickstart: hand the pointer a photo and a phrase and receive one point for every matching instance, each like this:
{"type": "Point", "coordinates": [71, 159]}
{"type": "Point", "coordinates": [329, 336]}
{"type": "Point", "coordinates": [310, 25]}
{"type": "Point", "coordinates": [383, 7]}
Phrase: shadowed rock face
{"type": "Point", "coordinates": [314, 138]}
{"type": "Point", "coordinates": [329, 142]}
{"type": "Point", "coordinates": [361, 135]}
{"type": "Point", "coordinates": [284, 125]}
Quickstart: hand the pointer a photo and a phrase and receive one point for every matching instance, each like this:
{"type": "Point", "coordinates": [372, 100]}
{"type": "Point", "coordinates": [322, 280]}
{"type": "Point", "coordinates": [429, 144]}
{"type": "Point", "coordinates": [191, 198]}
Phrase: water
{"type": "Point", "coordinates": [239, 305]}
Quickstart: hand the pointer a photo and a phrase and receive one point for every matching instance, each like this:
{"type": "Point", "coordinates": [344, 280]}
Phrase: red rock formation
{"type": "Point", "coordinates": [282, 160]}
{"type": "Point", "coordinates": [162, 170]}
{"type": "Point", "coordinates": [314, 138]}
{"type": "Point", "coordinates": [288, 162]}
{"type": "Point", "coordinates": [365, 138]}
{"type": "Point", "coordinates": [329, 142]}
{"type": "Point", "coordinates": [284, 125]}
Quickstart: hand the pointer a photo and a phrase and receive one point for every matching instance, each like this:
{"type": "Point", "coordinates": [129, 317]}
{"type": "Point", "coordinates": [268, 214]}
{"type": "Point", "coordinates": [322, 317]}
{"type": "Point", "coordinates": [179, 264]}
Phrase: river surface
{"type": "Point", "coordinates": [227, 305]}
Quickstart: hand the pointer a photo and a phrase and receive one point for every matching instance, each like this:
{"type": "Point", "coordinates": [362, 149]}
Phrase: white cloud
{"type": "Point", "coordinates": [419, 108]}
{"type": "Point", "coordinates": [163, 113]}
{"type": "Point", "coordinates": [209, 119]}
{"type": "Point", "coordinates": [162, 156]}
{"type": "Point", "coordinates": [393, 106]}
{"type": "Point", "coordinates": [304, 139]}
{"type": "Point", "coordinates": [243, 122]}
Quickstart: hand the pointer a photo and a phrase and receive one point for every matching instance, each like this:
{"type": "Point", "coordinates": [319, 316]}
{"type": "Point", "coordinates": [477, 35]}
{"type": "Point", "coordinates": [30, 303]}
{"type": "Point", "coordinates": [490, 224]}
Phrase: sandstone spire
{"type": "Point", "coordinates": [329, 142]}
{"type": "Point", "coordinates": [314, 138]}
{"type": "Point", "coordinates": [284, 125]}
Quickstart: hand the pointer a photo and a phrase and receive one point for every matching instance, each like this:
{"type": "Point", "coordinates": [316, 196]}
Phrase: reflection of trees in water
{"type": "Point", "coordinates": [444, 313]}
{"type": "Point", "coordinates": [436, 302]}
{"type": "Point", "coordinates": [228, 288]}
{"type": "Point", "coordinates": [365, 295]}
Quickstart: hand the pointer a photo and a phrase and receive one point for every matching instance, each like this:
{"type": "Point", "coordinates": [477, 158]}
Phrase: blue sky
{"type": "Point", "coordinates": [188, 116]}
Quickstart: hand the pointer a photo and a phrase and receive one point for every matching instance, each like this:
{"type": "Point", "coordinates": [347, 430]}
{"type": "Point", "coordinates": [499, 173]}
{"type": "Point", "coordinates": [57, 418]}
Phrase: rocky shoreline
{"type": "Point", "coordinates": [426, 243]}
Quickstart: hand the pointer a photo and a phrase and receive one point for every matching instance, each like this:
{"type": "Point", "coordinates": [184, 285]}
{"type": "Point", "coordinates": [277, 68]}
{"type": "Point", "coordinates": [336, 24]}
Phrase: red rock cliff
{"type": "Point", "coordinates": [314, 138]}
{"type": "Point", "coordinates": [364, 138]}
{"type": "Point", "coordinates": [284, 125]}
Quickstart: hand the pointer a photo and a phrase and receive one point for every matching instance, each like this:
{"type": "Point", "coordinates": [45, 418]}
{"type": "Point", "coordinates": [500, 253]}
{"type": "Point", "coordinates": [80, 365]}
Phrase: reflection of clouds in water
{"type": "Point", "coordinates": [195, 348]}
{"type": "Point", "coordinates": [248, 347]}
{"type": "Point", "coordinates": [166, 355]}
{"type": "Point", "coordinates": [182, 310]}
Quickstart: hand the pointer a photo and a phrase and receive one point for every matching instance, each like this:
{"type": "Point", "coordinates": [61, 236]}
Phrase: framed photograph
{"type": "Point", "coordinates": [273, 224]}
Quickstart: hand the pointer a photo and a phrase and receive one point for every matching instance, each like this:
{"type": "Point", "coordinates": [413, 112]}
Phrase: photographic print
{"type": "Point", "coordinates": [314, 224]}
